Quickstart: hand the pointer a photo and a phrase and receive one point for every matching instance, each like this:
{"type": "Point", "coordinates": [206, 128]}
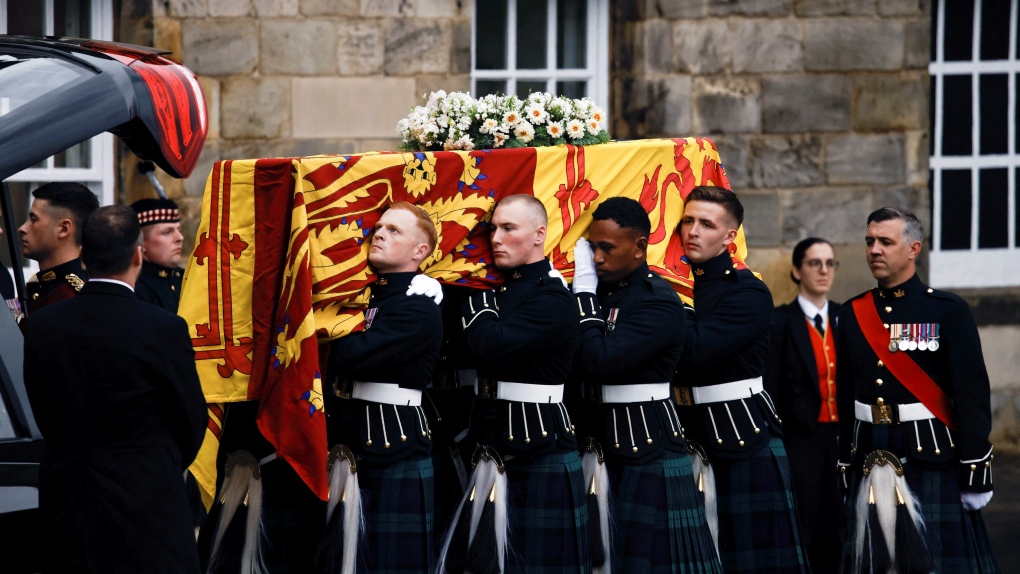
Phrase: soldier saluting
{"type": "Point", "coordinates": [914, 415]}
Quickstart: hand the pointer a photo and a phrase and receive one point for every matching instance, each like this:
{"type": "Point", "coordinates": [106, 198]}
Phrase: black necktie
{"type": "Point", "coordinates": [819, 325]}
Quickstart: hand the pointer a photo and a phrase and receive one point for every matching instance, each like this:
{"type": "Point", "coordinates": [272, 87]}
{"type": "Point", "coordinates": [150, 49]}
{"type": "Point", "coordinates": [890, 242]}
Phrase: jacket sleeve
{"type": "Point", "coordinates": [408, 327]}
{"type": "Point", "coordinates": [184, 402]}
{"type": "Point", "coordinates": [845, 383]}
{"type": "Point", "coordinates": [737, 319]}
{"type": "Point", "coordinates": [531, 328]}
{"type": "Point", "coordinates": [651, 326]}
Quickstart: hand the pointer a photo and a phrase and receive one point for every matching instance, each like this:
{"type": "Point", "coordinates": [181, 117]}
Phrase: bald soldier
{"type": "Point", "coordinates": [522, 338]}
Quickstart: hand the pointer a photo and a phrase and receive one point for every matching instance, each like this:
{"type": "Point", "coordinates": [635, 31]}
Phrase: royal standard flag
{"type": "Point", "coordinates": [280, 265]}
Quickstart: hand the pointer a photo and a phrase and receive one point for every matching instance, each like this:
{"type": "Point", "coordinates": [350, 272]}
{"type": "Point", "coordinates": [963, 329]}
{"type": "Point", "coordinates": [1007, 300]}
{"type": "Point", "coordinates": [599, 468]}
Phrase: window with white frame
{"type": "Point", "coordinates": [975, 155]}
{"type": "Point", "coordinates": [90, 162]}
{"type": "Point", "coordinates": [559, 46]}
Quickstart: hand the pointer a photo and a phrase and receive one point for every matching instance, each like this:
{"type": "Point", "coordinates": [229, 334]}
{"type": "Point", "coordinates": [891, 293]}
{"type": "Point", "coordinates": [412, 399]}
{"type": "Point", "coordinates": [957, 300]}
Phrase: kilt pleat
{"type": "Point", "coordinates": [548, 515]}
{"type": "Point", "coordinates": [397, 499]}
{"type": "Point", "coordinates": [659, 521]}
{"type": "Point", "coordinates": [758, 526]}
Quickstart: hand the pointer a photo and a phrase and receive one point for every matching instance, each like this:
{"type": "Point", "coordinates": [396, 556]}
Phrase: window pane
{"type": "Point", "coordinates": [994, 108]}
{"type": "Point", "coordinates": [26, 17]}
{"type": "Point", "coordinates": [571, 40]}
{"type": "Point", "coordinates": [71, 18]}
{"type": "Point", "coordinates": [490, 35]}
{"type": "Point", "coordinates": [75, 156]}
{"type": "Point", "coordinates": [487, 87]}
{"type": "Point", "coordinates": [956, 115]}
{"type": "Point", "coordinates": [532, 28]}
{"type": "Point", "coordinates": [994, 30]}
{"type": "Point", "coordinates": [993, 208]}
{"type": "Point", "coordinates": [959, 29]}
{"type": "Point", "coordinates": [525, 87]}
{"type": "Point", "coordinates": [572, 89]}
{"type": "Point", "coordinates": [956, 209]}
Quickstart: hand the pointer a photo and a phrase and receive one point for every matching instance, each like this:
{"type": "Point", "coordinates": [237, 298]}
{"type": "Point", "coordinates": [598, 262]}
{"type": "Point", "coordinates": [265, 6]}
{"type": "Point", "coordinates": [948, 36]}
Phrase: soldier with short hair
{"type": "Point", "coordinates": [162, 241]}
{"type": "Point", "coordinates": [914, 416]}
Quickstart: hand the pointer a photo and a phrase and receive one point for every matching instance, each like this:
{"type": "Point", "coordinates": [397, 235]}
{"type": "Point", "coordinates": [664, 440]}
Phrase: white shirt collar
{"type": "Point", "coordinates": [810, 310]}
{"type": "Point", "coordinates": [114, 281]}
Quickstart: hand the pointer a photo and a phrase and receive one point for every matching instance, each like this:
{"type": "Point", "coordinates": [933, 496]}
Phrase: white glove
{"type": "Point", "coordinates": [975, 500]}
{"type": "Point", "coordinates": [427, 286]}
{"type": "Point", "coordinates": [557, 275]}
{"type": "Point", "coordinates": [585, 278]}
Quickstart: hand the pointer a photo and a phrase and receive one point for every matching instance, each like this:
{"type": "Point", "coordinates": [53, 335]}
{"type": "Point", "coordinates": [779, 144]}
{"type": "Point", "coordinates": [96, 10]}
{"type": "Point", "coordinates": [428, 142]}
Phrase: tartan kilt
{"type": "Point", "coordinates": [293, 520]}
{"type": "Point", "coordinates": [658, 518]}
{"type": "Point", "coordinates": [397, 501]}
{"type": "Point", "coordinates": [957, 538]}
{"type": "Point", "coordinates": [548, 515]}
{"type": "Point", "coordinates": [758, 526]}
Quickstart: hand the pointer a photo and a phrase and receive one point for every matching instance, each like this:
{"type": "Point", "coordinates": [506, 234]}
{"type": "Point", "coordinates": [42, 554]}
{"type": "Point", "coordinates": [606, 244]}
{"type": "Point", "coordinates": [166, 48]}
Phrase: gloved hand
{"type": "Point", "coordinates": [585, 278]}
{"type": "Point", "coordinates": [555, 274]}
{"type": "Point", "coordinates": [975, 500]}
{"type": "Point", "coordinates": [427, 286]}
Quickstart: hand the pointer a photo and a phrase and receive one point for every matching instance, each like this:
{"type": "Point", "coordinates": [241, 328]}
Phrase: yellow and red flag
{"type": "Point", "coordinates": [280, 263]}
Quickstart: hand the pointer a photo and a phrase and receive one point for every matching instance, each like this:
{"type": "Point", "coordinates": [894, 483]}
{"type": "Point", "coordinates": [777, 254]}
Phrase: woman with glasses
{"type": "Point", "coordinates": [801, 376]}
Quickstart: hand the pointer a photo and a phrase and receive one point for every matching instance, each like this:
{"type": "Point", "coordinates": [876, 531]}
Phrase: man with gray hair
{"type": "Point", "coordinates": [914, 416]}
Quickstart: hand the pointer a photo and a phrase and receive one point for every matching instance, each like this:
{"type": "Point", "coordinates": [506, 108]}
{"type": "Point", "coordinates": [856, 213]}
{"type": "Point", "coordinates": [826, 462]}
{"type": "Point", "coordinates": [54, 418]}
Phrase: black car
{"type": "Point", "coordinates": [56, 93]}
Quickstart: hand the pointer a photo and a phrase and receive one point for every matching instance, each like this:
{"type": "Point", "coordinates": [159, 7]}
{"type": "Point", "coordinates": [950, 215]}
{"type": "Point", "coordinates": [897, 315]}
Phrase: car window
{"type": "Point", "coordinates": [23, 79]}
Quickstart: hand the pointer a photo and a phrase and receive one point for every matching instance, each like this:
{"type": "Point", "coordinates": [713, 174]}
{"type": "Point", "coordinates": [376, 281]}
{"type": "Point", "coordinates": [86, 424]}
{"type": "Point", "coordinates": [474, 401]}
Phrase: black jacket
{"type": "Point", "coordinates": [55, 284]}
{"type": "Point", "coordinates": [728, 340]}
{"type": "Point", "coordinates": [400, 344]}
{"type": "Point", "coordinates": [791, 375]}
{"type": "Point", "coordinates": [160, 285]}
{"type": "Point", "coordinates": [957, 367]}
{"type": "Point", "coordinates": [113, 386]}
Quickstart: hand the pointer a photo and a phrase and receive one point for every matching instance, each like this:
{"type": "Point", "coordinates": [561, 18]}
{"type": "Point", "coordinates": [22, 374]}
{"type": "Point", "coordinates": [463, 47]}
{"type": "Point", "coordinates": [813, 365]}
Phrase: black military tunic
{"type": "Point", "coordinates": [55, 284]}
{"type": "Point", "coordinates": [632, 333]}
{"type": "Point", "coordinates": [392, 443]}
{"type": "Point", "coordinates": [160, 285]}
{"type": "Point", "coordinates": [940, 462]}
{"type": "Point", "coordinates": [728, 341]}
{"type": "Point", "coordinates": [526, 332]}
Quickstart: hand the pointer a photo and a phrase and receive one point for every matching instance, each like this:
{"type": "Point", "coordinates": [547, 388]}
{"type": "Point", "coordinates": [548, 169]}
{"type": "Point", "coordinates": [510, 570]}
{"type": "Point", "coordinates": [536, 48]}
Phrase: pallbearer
{"type": "Point", "coordinates": [632, 331]}
{"type": "Point", "coordinates": [525, 509]}
{"type": "Point", "coordinates": [914, 416]}
{"type": "Point", "coordinates": [720, 393]}
{"type": "Point", "coordinates": [380, 464]}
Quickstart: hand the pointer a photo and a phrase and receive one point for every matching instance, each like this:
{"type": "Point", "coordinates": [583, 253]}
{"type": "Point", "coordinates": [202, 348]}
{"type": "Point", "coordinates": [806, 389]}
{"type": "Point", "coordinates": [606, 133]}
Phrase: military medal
{"type": "Point", "coordinates": [370, 316]}
{"type": "Point", "coordinates": [614, 313]}
{"type": "Point", "coordinates": [922, 345]}
{"type": "Point", "coordinates": [904, 342]}
{"type": "Point", "coordinates": [913, 336]}
{"type": "Point", "coordinates": [893, 346]}
{"type": "Point", "coordinates": [933, 344]}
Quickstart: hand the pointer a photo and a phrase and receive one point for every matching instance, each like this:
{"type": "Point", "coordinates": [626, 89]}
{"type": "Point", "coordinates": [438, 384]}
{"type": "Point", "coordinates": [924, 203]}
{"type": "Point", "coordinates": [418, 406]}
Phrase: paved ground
{"type": "Point", "coordinates": [1002, 515]}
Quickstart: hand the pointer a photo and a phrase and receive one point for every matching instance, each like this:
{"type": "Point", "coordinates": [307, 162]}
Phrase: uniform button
{"type": "Point", "coordinates": [832, 365]}
{"type": "Point", "coordinates": [881, 364]}
{"type": "Point", "coordinates": [35, 296]}
{"type": "Point", "coordinates": [879, 382]}
{"type": "Point", "coordinates": [888, 309]}
{"type": "Point", "coordinates": [930, 290]}
{"type": "Point", "coordinates": [886, 325]}
{"type": "Point", "coordinates": [832, 417]}
{"type": "Point", "coordinates": [880, 401]}
{"type": "Point", "coordinates": [727, 272]}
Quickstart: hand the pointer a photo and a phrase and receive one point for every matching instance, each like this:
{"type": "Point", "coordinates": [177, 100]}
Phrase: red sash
{"type": "Point", "coordinates": [900, 364]}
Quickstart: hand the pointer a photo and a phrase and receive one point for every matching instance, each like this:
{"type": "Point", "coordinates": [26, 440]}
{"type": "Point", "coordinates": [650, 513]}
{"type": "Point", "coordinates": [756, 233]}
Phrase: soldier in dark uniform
{"type": "Point", "coordinates": [632, 331]}
{"type": "Point", "coordinates": [376, 410]}
{"type": "Point", "coordinates": [160, 281]}
{"type": "Point", "coordinates": [720, 392]}
{"type": "Point", "coordinates": [52, 237]}
{"type": "Point", "coordinates": [523, 338]}
{"type": "Point", "coordinates": [801, 376]}
{"type": "Point", "coordinates": [912, 382]}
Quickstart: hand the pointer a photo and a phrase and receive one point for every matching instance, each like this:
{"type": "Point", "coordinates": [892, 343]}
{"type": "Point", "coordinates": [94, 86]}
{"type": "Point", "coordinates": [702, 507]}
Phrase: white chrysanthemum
{"type": "Point", "coordinates": [499, 139]}
{"type": "Point", "coordinates": [487, 126]}
{"type": "Point", "coordinates": [555, 129]}
{"type": "Point", "coordinates": [594, 126]}
{"type": "Point", "coordinates": [512, 117]}
{"type": "Point", "coordinates": [575, 129]}
{"type": "Point", "coordinates": [524, 132]}
{"type": "Point", "coordinates": [536, 114]}
{"type": "Point", "coordinates": [597, 113]}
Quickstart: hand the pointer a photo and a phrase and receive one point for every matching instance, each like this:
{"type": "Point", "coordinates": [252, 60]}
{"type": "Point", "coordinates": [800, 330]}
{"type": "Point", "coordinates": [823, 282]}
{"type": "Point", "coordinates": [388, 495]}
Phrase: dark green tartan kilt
{"type": "Point", "coordinates": [758, 526]}
{"type": "Point", "coordinates": [957, 538]}
{"type": "Point", "coordinates": [397, 501]}
{"type": "Point", "coordinates": [548, 515]}
{"type": "Point", "coordinates": [658, 518]}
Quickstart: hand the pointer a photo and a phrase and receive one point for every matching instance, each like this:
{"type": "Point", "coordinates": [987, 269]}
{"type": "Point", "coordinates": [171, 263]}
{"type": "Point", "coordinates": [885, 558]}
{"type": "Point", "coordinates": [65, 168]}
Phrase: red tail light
{"type": "Point", "coordinates": [177, 99]}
